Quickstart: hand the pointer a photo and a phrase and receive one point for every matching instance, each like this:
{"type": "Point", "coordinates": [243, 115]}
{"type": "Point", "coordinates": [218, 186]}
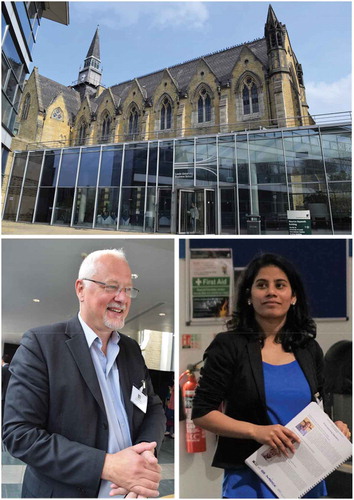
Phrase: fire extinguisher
{"type": "Point", "coordinates": [195, 436]}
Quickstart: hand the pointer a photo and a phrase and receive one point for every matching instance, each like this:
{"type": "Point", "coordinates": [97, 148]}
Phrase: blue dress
{"type": "Point", "coordinates": [287, 393]}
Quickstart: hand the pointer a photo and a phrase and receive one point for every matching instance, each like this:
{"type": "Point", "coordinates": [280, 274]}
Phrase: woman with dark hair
{"type": "Point", "coordinates": [263, 372]}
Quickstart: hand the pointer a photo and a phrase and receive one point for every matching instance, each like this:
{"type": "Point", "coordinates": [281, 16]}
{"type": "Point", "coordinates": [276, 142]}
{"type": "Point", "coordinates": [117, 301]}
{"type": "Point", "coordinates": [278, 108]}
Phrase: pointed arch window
{"type": "Point", "coordinates": [204, 107]}
{"type": "Point", "coordinates": [106, 128]}
{"type": "Point", "coordinates": [250, 97]}
{"type": "Point", "coordinates": [133, 121]}
{"type": "Point", "coordinates": [26, 106]}
{"type": "Point", "coordinates": [166, 115]}
{"type": "Point", "coordinates": [82, 133]}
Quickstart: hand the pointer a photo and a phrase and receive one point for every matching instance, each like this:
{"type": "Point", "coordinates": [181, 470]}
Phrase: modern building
{"type": "Point", "coordinates": [19, 28]}
{"type": "Point", "coordinates": [217, 145]}
{"type": "Point", "coordinates": [195, 185]}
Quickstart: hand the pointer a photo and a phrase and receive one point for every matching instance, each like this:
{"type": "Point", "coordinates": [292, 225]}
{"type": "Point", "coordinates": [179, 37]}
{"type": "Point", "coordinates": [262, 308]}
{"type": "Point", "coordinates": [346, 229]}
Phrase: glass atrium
{"type": "Point", "coordinates": [196, 185]}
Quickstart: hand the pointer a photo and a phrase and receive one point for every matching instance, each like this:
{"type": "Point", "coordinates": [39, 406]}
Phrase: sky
{"type": "Point", "coordinates": [138, 38]}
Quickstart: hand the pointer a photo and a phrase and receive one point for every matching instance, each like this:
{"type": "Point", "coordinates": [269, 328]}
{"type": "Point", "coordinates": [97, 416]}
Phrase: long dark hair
{"type": "Point", "coordinates": [299, 327]}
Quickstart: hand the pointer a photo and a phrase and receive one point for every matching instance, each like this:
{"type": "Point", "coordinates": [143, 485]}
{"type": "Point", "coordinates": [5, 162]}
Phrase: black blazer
{"type": "Point", "coordinates": [55, 419]}
{"type": "Point", "coordinates": [233, 375]}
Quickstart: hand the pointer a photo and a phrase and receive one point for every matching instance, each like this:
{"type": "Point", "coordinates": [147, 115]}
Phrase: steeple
{"type": "Point", "coordinates": [90, 75]}
{"type": "Point", "coordinates": [274, 31]}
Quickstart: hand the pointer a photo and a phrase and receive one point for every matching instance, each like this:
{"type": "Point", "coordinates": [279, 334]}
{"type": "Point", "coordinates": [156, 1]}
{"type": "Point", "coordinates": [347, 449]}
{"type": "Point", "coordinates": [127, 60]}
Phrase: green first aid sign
{"type": "Point", "coordinates": [211, 287]}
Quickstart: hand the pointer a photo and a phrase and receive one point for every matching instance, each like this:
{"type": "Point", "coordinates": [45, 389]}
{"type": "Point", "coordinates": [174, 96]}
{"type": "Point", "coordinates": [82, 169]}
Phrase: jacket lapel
{"type": "Point", "coordinates": [304, 358]}
{"type": "Point", "coordinates": [125, 381]}
{"type": "Point", "coordinates": [79, 349]}
{"type": "Point", "coordinates": [254, 353]}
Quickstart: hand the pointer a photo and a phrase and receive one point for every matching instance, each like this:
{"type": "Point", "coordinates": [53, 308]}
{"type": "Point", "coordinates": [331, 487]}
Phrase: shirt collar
{"type": "Point", "coordinates": [91, 336]}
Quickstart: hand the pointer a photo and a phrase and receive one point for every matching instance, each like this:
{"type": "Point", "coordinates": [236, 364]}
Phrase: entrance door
{"type": "Point", "coordinates": [196, 211]}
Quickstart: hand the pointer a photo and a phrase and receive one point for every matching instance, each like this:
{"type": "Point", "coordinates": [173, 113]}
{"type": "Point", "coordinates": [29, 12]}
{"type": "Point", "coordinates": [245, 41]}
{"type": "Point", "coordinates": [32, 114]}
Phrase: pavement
{"type": "Point", "coordinates": [21, 228]}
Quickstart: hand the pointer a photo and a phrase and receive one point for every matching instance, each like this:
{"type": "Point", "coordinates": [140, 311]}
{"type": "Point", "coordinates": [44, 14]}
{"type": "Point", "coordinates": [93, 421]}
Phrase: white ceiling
{"type": "Point", "coordinates": [46, 269]}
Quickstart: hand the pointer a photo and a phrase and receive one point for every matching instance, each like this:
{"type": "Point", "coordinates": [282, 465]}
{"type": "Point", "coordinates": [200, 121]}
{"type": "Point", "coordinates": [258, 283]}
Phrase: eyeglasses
{"type": "Point", "coordinates": [116, 289]}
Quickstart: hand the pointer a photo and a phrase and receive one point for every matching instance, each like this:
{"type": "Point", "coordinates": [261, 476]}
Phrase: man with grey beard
{"type": "Point", "coordinates": [80, 408]}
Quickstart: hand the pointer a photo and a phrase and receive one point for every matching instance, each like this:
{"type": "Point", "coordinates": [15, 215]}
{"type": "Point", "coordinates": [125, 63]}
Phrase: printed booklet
{"type": "Point", "coordinates": [322, 449]}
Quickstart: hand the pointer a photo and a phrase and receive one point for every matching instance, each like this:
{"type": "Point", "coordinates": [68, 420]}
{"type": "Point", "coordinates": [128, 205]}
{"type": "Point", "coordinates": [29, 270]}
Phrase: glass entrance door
{"type": "Point", "coordinates": [196, 211]}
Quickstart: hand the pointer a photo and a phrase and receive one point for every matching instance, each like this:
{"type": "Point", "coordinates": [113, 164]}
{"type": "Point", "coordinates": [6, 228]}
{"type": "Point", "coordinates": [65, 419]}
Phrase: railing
{"type": "Point", "coordinates": [344, 117]}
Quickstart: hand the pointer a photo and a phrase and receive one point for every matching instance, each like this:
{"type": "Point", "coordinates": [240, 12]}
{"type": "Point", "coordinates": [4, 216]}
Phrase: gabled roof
{"type": "Point", "coordinates": [49, 89]}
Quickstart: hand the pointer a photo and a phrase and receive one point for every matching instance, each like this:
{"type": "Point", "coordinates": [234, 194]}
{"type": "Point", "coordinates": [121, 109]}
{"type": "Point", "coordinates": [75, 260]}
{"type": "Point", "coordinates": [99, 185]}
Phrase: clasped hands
{"type": "Point", "coordinates": [133, 472]}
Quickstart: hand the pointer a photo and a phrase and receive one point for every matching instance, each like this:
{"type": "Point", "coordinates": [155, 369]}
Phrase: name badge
{"type": "Point", "coordinates": [139, 399]}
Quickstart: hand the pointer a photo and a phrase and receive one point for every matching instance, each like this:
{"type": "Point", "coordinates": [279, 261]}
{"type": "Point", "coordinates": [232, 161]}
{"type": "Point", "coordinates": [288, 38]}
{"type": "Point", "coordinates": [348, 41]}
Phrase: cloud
{"type": "Point", "coordinates": [323, 97]}
{"type": "Point", "coordinates": [188, 14]}
{"type": "Point", "coordinates": [160, 15]}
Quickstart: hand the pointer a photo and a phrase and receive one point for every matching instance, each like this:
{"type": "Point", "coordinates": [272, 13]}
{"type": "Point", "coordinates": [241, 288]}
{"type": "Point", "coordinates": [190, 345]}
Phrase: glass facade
{"type": "Point", "coordinates": [201, 185]}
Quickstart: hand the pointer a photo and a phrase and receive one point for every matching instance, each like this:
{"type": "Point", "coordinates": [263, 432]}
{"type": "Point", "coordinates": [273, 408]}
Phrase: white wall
{"type": "Point", "coordinates": [197, 478]}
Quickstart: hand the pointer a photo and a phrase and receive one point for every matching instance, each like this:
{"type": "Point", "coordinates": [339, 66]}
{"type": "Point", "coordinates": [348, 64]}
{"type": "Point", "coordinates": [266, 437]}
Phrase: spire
{"type": "Point", "coordinates": [274, 31]}
{"type": "Point", "coordinates": [90, 75]}
{"type": "Point", "coordinates": [94, 50]}
{"type": "Point", "coordinates": [272, 18]}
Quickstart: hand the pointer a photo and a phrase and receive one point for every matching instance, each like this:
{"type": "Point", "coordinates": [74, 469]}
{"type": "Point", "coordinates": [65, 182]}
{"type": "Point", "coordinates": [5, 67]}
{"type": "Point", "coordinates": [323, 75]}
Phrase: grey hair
{"type": "Point", "coordinates": [88, 266]}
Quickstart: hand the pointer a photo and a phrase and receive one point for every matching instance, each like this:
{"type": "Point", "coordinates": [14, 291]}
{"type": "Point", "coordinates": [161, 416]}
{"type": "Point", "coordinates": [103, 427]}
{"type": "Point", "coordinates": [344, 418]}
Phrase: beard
{"type": "Point", "coordinates": [114, 324]}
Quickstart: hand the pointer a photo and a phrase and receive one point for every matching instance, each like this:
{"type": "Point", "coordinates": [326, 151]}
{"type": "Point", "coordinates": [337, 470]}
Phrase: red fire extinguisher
{"type": "Point", "coordinates": [195, 436]}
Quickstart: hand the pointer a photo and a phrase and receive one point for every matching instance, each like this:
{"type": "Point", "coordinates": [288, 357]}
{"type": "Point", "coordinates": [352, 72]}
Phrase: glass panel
{"type": "Point", "coordinates": [24, 21]}
{"type": "Point", "coordinates": [184, 162]}
{"type": "Point", "coordinates": [228, 211]}
{"type": "Point", "coordinates": [206, 166]}
{"type": "Point", "coordinates": [11, 87]}
{"type": "Point", "coordinates": [63, 207]}
{"type": "Point", "coordinates": [12, 55]}
{"type": "Point", "coordinates": [227, 163]}
{"type": "Point", "coordinates": [165, 163]}
{"type": "Point", "coordinates": [132, 211]}
{"type": "Point", "coordinates": [134, 173]}
{"type": "Point", "coordinates": [111, 165]}
{"type": "Point", "coordinates": [272, 207]}
{"type": "Point", "coordinates": [45, 205]}
{"type": "Point", "coordinates": [84, 206]}
{"type": "Point", "coordinates": [89, 167]}
{"type": "Point", "coordinates": [266, 159]}
{"type": "Point", "coordinates": [15, 184]}
{"type": "Point", "coordinates": [68, 168]}
{"type": "Point", "coordinates": [164, 210]}
{"type": "Point", "coordinates": [185, 202]}
{"type": "Point", "coordinates": [33, 169]}
{"type": "Point", "coordinates": [107, 207]}
{"type": "Point", "coordinates": [150, 210]}
{"type": "Point", "coordinates": [244, 207]}
{"type": "Point", "coordinates": [312, 197]}
{"type": "Point", "coordinates": [337, 150]}
{"type": "Point", "coordinates": [27, 204]}
{"type": "Point", "coordinates": [303, 158]}
{"type": "Point", "coordinates": [197, 213]}
{"type": "Point", "coordinates": [210, 212]}
{"type": "Point", "coordinates": [341, 204]}
{"type": "Point", "coordinates": [152, 164]}
{"type": "Point", "coordinates": [50, 168]}
{"type": "Point", "coordinates": [242, 159]}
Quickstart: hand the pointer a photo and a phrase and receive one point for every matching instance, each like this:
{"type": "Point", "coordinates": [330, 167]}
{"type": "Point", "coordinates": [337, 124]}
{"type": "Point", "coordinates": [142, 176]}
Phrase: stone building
{"type": "Point", "coordinates": [252, 85]}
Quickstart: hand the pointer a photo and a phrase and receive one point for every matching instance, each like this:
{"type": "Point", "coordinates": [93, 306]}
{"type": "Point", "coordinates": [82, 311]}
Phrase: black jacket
{"type": "Point", "coordinates": [233, 375]}
{"type": "Point", "coordinates": [55, 418]}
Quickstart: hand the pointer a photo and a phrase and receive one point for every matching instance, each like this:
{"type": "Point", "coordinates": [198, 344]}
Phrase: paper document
{"type": "Point", "coordinates": [322, 449]}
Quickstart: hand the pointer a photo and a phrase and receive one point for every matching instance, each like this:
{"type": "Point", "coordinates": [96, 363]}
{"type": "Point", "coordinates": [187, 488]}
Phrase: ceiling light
{"type": "Point", "coordinates": [162, 314]}
{"type": "Point", "coordinates": [36, 300]}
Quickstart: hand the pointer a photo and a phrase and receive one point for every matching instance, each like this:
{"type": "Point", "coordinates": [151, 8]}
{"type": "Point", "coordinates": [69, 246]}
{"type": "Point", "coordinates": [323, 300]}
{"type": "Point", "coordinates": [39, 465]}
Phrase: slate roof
{"type": "Point", "coordinates": [221, 63]}
{"type": "Point", "coordinates": [49, 90]}
{"type": "Point", "coordinates": [94, 49]}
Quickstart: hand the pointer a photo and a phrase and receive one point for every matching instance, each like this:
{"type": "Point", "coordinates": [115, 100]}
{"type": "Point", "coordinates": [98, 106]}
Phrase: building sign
{"type": "Point", "coordinates": [211, 283]}
{"type": "Point", "coordinates": [184, 173]}
{"type": "Point", "coordinates": [299, 221]}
